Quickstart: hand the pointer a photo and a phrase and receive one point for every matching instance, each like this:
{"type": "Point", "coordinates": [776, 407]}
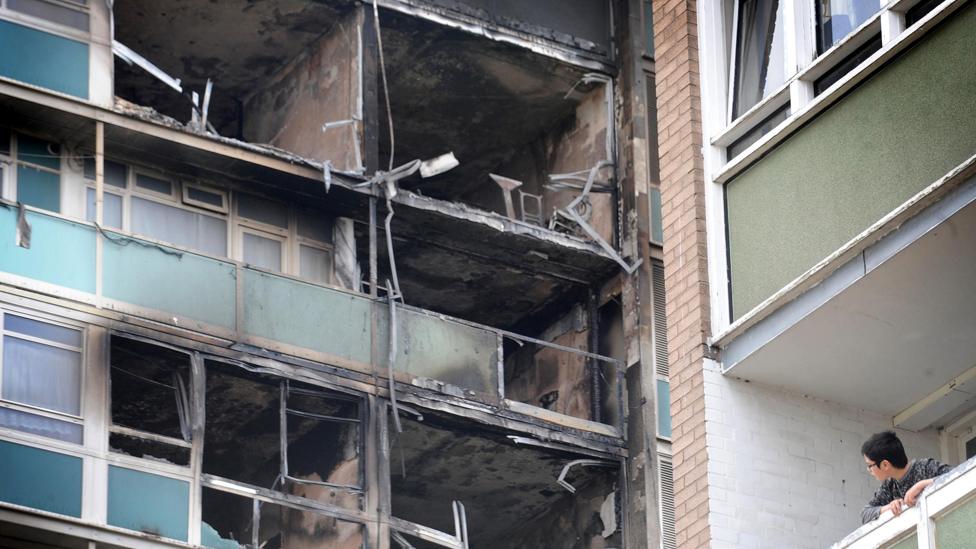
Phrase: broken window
{"type": "Point", "coordinates": [283, 435]}
{"type": "Point", "coordinates": [231, 521]}
{"type": "Point", "coordinates": [41, 369]}
{"type": "Point", "coordinates": [150, 401]}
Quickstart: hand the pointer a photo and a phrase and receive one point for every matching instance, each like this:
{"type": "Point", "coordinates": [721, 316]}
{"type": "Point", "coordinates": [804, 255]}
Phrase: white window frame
{"type": "Point", "coordinates": [225, 199]}
{"type": "Point", "coordinates": [716, 52]}
{"type": "Point", "coordinates": [84, 411]}
{"type": "Point", "coordinates": [134, 173]}
{"type": "Point", "coordinates": [261, 230]}
{"type": "Point", "coordinates": [49, 26]}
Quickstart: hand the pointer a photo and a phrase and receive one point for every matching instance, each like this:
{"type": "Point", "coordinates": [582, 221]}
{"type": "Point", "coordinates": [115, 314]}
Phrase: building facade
{"type": "Point", "coordinates": [816, 163]}
{"type": "Point", "coordinates": [332, 274]}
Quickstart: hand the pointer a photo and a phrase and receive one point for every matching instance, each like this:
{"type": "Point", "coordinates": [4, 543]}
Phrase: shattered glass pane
{"type": "Point", "coordinates": [226, 520]}
{"type": "Point", "coordinates": [150, 388]}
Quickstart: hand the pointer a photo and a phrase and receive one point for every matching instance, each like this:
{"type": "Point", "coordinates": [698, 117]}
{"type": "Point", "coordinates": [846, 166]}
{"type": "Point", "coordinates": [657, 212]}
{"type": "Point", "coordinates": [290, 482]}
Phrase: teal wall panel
{"type": "Point", "coordinates": [186, 284]}
{"type": "Point", "coordinates": [902, 129]}
{"type": "Point", "coordinates": [43, 59]}
{"type": "Point", "coordinates": [40, 479]}
{"type": "Point", "coordinates": [305, 315]}
{"type": "Point", "coordinates": [38, 188]}
{"type": "Point", "coordinates": [433, 347]}
{"type": "Point", "coordinates": [148, 503]}
{"type": "Point", "coordinates": [61, 252]}
{"type": "Point", "coordinates": [663, 408]}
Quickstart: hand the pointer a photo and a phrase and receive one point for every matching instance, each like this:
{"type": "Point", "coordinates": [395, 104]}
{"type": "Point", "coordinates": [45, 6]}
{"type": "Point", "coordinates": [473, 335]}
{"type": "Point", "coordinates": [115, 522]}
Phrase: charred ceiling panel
{"type": "Point", "coordinates": [506, 489]}
{"type": "Point", "coordinates": [482, 99]}
{"type": "Point", "coordinates": [232, 42]}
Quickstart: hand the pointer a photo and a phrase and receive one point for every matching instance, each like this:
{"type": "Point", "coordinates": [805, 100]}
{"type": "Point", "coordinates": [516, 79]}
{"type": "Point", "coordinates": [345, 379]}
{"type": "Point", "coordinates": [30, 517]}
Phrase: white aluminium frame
{"type": "Point", "coordinates": [716, 44]}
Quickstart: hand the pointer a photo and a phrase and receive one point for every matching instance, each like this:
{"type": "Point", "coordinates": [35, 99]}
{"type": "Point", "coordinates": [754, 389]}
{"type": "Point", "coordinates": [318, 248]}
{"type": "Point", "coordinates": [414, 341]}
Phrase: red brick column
{"type": "Point", "coordinates": [685, 259]}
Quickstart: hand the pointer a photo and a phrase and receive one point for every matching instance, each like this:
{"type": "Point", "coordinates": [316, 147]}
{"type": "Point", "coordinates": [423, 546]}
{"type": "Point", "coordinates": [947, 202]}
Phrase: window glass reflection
{"type": "Point", "coordinates": [760, 57]}
{"type": "Point", "coordinates": [837, 18]}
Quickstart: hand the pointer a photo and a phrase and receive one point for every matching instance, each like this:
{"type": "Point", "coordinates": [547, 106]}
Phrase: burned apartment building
{"type": "Point", "coordinates": [331, 273]}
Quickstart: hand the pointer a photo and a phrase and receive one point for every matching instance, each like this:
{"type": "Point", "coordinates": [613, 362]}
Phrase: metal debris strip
{"type": "Point", "coordinates": [572, 210]}
{"type": "Point", "coordinates": [386, 88]}
{"type": "Point", "coordinates": [582, 463]}
{"type": "Point", "coordinates": [352, 123]}
{"type": "Point", "coordinates": [391, 358]}
{"type": "Point", "coordinates": [460, 523]}
{"type": "Point", "coordinates": [132, 58]}
{"type": "Point", "coordinates": [23, 227]}
{"type": "Point", "coordinates": [507, 185]}
{"type": "Point", "coordinates": [400, 540]}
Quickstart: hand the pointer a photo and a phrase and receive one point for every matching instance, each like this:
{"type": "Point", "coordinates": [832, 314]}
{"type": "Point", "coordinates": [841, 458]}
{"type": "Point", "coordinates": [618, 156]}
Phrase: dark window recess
{"type": "Point", "coordinates": [205, 197]}
{"type": "Point", "coordinates": [920, 10]}
{"type": "Point", "coordinates": [227, 520]}
{"type": "Point", "coordinates": [760, 130]}
{"type": "Point", "coordinates": [243, 423]}
{"type": "Point", "coordinates": [115, 173]}
{"type": "Point", "coordinates": [760, 66]}
{"type": "Point", "coordinates": [847, 65]}
{"type": "Point", "coordinates": [150, 388]}
{"type": "Point", "coordinates": [5, 141]}
{"type": "Point", "coordinates": [970, 448]}
{"type": "Point", "coordinates": [148, 449]}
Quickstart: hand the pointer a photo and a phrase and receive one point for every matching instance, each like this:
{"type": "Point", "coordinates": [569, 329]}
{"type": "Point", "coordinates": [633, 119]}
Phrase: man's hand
{"type": "Point", "coordinates": [911, 496]}
{"type": "Point", "coordinates": [894, 506]}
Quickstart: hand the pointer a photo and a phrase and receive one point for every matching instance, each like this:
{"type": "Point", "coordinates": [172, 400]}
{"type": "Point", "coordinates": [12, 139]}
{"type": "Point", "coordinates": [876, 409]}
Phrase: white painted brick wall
{"type": "Point", "coordinates": [784, 470]}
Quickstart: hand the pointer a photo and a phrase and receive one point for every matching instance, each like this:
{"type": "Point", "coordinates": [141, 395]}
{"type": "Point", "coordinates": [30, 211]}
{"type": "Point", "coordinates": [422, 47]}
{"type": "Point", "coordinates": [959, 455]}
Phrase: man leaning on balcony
{"type": "Point", "coordinates": [901, 482]}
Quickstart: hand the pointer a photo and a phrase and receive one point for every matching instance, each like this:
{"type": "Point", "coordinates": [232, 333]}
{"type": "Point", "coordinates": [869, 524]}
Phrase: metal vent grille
{"type": "Point", "coordinates": [666, 484]}
{"type": "Point", "coordinates": [660, 319]}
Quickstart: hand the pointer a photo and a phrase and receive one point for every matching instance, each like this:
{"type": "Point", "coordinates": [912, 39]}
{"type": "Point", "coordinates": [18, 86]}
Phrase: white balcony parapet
{"type": "Point", "coordinates": [954, 492]}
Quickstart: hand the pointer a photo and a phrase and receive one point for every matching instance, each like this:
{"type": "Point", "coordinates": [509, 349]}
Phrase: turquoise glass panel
{"type": "Point", "coordinates": [957, 528]}
{"type": "Point", "coordinates": [61, 252]}
{"type": "Point", "coordinates": [41, 479]}
{"type": "Point", "coordinates": [663, 408]}
{"type": "Point", "coordinates": [305, 315]}
{"type": "Point", "coordinates": [148, 503]}
{"type": "Point", "coordinates": [177, 283]}
{"type": "Point", "coordinates": [657, 226]}
{"type": "Point", "coordinates": [433, 347]}
{"type": "Point", "coordinates": [38, 188]}
{"type": "Point", "coordinates": [38, 151]}
{"type": "Point", "coordinates": [43, 59]}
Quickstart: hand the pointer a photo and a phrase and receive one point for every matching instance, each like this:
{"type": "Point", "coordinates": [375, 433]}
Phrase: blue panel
{"type": "Point", "coordinates": [182, 284]}
{"type": "Point", "coordinates": [38, 151]}
{"type": "Point", "coordinates": [61, 252]}
{"type": "Point", "coordinates": [40, 479]}
{"type": "Point", "coordinates": [663, 408]}
{"type": "Point", "coordinates": [39, 189]}
{"type": "Point", "coordinates": [148, 503]}
{"type": "Point", "coordinates": [313, 317]}
{"type": "Point", "coordinates": [657, 228]}
{"type": "Point", "coordinates": [43, 59]}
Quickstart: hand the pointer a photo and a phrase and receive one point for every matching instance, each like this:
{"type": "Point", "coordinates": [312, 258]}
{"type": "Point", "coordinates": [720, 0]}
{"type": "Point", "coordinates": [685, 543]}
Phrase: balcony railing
{"type": "Point", "coordinates": [232, 300]}
{"type": "Point", "coordinates": [944, 517]}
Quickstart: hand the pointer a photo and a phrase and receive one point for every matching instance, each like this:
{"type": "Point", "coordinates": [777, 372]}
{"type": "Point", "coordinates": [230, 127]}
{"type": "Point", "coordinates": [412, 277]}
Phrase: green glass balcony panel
{"type": "Point", "coordinates": [148, 503]}
{"type": "Point", "coordinates": [957, 528]}
{"type": "Point", "coordinates": [910, 542]}
{"type": "Point", "coordinates": [663, 408]}
{"type": "Point", "coordinates": [41, 479]}
{"type": "Point", "coordinates": [39, 188]}
{"type": "Point", "coordinates": [61, 252]}
{"type": "Point", "coordinates": [899, 131]}
{"type": "Point", "coordinates": [43, 59]}
{"type": "Point", "coordinates": [313, 317]}
{"type": "Point", "coordinates": [177, 283]}
{"type": "Point", "coordinates": [433, 347]}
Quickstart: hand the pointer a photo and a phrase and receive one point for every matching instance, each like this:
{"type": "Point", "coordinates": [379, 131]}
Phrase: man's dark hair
{"type": "Point", "coordinates": [885, 446]}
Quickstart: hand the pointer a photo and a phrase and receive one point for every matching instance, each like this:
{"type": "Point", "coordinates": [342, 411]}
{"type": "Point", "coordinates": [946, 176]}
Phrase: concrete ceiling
{"type": "Point", "coordinates": [454, 91]}
{"type": "Point", "coordinates": [232, 42]}
{"type": "Point", "coordinates": [891, 338]}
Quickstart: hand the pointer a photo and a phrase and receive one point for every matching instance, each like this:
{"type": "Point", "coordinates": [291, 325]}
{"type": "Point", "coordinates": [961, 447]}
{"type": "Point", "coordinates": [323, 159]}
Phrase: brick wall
{"type": "Point", "coordinates": [686, 278]}
{"type": "Point", "coordinates": [785, 470]}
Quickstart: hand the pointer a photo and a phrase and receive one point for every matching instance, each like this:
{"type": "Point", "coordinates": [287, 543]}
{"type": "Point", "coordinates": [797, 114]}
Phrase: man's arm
{"type": "Point", "coordinates": [881, 499]}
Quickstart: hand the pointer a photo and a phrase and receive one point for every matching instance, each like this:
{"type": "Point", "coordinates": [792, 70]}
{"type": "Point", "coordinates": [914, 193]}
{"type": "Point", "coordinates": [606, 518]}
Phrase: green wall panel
{"type": "Point", "coordinates": [61, 252]}
{"type": "Point", "coordinates": [305, 315]}
{"type": "Point", "coordinates": [898, 132]}
{"type": "Point", "coordinates": [433, 347]}
{"type": "Point", "coordinates": [40, 479]}
{"type": "Point", "coordinates": [43, 59]}
{"type": "Point", "coordinates": [38, 188]}
{"type": "Point", "coordinates": [957, 528]}
{"type": "Point", "coordinates": [148, 503]}
{"type": "Point", "coordinates": [187, 284]}
{"type": "Point", "coordinates": [911, 542]}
